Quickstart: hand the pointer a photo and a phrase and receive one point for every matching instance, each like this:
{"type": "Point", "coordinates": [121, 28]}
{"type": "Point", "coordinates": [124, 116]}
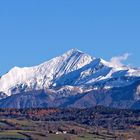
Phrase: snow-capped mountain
{"type": "Point", "coordinates": [73, 68]}
{"type": "Point", "coordinates": [44, 75]}
{"type": "Point", "coordinates": [70, 75]}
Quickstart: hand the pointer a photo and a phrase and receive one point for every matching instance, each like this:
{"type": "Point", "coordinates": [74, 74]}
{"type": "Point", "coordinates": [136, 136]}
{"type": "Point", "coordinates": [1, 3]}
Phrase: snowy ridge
{"type": "Point", "coordinates": [74, 68]}
{"type": "Point", "coordinates": [42, 76]}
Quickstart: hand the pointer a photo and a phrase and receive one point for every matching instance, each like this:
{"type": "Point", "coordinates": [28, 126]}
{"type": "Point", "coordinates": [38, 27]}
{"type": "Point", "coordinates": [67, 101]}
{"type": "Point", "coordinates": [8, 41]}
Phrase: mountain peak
{"type": "Point", "coordinates": [73, 51]}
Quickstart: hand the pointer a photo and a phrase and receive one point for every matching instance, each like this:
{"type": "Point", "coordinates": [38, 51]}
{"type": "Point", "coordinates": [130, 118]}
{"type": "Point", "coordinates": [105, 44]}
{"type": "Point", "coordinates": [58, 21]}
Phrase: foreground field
{"type": "Point", "coordinates": [14, 129]}
{"type": "Point", "coordinates": [26, 135]}
{"type": "Point", "coordinates": [69, 124]}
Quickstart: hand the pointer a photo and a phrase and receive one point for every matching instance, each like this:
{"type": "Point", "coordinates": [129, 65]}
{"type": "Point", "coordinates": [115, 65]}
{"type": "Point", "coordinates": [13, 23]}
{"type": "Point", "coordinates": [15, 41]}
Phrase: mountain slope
{"type": "Point", "coordinates": [74, 79]}
{"type": "Point", "coordinates": [122, 97]}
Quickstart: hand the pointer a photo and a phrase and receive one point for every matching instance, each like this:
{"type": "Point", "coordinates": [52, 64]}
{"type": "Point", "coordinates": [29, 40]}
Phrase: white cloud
{"type": "Point", "coordinates": [117, 60]}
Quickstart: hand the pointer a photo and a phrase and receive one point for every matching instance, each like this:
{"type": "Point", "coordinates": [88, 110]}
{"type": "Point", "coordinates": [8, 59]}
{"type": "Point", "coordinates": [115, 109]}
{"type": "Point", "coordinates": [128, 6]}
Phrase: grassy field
{"type": "Point", "coordinates": [38, 124]}
{"type": "Point", "coordinates": [68, 137]}
{"type": "Point", "coordinates": [17, 129]}
{"type": "Point", "coordinates": [12, 134]}
{"type": "Point", "coordinates": [27, 135]}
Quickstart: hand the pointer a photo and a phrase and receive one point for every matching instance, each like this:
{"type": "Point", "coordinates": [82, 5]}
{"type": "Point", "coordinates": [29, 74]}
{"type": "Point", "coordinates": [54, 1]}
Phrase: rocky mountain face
{"type": "Point", "coordinates": [74, 79]}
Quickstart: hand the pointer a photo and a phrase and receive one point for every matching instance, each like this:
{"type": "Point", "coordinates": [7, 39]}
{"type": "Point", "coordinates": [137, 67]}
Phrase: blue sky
{"type": "Point", "coordinates": [33, 31]}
